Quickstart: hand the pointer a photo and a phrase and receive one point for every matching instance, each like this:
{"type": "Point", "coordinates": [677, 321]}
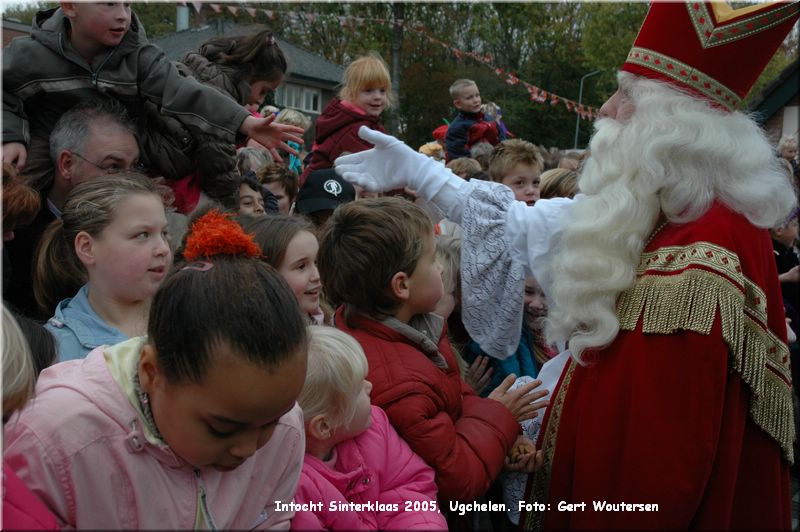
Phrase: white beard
{"type": "Point", "coordinates": [595, 256]}
{"type": "Point", "coordinates": [675, 155]}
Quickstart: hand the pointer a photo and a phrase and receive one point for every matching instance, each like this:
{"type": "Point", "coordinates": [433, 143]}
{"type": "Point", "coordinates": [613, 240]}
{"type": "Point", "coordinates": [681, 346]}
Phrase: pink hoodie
{"type": "Point", "coordinates": [79, 446]}
{"type": "Point", "coordinates": [376, 470]}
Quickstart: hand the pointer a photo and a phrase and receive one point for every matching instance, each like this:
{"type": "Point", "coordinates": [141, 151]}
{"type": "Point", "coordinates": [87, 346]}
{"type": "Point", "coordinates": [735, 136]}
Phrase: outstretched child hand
{"type": "Point", "coordinates": [523, 401]}
{"type": "Point", "coordinates": [272, 136]}
{"type": "Point", "coordinates": [478, 375]}
{"type": "Point", "coordinates": [15, 153]}
{"type": "Point", "coordinates": [524, 457]}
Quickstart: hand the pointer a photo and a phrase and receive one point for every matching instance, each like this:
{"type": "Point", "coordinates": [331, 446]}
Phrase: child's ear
{"type": "Point", "coordinates": [319, 427]}
{"type": "Point", "coordinates": [400, 286]}
{"type": "Point", "coordinates": [84, 248]}
{"type": "Point", "coordinates": [69, 9]}
{"type": "Point", "coordinates": [457, 104]}
{"type": "Point", "coordinates": [149, 375]}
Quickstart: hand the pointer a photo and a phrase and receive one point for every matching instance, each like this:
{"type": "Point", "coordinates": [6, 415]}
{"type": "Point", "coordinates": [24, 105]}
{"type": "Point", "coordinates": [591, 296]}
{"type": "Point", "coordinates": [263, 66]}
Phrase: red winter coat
{"type": "Point", "coordinates": [337, 132]}
{"type": "Point", "coordinates": [22, 510]}
{"type": "Point", "coordinates": [463, 437]}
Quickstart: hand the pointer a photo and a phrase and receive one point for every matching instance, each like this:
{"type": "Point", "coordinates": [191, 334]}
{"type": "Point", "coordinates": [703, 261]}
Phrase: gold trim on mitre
{"type": "Point", "coordinates": [723, 11]}
{"type": "Point", "coordinates": [685, 288]}
{"type": "Point", "coordinates": [687, 74]}
{"type": "Point", "coordinates": [713, 28]}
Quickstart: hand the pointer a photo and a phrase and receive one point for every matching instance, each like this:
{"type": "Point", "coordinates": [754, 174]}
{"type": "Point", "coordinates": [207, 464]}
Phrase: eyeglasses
{"type": "Point", "coordinates": [112, 169]}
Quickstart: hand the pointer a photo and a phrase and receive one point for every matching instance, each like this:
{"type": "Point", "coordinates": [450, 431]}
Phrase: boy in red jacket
{"type": "Point", "coordinates": [377, 259]}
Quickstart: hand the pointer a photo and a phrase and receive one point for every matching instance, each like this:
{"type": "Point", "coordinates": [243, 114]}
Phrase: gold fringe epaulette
{"type": "Point", "coordinates": [683, 288]}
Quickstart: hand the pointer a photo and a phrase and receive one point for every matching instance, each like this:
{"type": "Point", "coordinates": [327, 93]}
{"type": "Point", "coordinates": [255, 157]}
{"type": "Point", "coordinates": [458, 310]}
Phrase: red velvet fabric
{"type": "Point", "coordinates": [665, 419]}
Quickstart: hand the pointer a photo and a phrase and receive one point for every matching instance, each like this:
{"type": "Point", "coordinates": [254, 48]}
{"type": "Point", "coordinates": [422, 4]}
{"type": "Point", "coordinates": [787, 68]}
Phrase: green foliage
{"type": "Point", "coordinates": [25, 12]}
{"type": "Point", "coordinates": [157, 18]}
{"type": "Point", "coordinates": [607, 37]}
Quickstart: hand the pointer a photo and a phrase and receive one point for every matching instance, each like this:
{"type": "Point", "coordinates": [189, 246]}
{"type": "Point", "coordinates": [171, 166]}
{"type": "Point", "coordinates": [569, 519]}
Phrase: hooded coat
{"type": "Point", "coordinates": [377, 470]}
{"type": "Point", "coordinates": [337, 132]}
{"type": "Point", "coordinates": [43, 76]}
{"type": "Point", "coordinates": [81, 447]}
{"type": "Point", "coordinates": [178, 118]}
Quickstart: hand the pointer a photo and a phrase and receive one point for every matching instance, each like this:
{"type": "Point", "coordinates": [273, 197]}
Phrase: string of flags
{"type": "Point", "coordinates": [535, 94]}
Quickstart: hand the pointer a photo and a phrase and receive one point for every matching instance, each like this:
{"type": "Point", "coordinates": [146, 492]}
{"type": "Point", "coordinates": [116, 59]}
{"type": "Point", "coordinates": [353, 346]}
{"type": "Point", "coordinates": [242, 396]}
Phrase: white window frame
{"type": "Point", "coordinates": [299, 97]}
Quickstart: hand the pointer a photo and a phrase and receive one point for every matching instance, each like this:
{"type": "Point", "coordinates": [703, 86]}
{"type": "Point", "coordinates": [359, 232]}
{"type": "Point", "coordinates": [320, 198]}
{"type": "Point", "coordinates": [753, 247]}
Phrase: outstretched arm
{"type": "Point", "coordinates": [503, 238]}
{"type": "Point", "coordinates": [391, 165]}
{"type": "Point", "coordinates": [271, 135]}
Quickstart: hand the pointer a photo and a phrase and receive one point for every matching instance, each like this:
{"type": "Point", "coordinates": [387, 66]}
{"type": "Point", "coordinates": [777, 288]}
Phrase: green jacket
{"type": "Point", "coordinates": [43, 76]}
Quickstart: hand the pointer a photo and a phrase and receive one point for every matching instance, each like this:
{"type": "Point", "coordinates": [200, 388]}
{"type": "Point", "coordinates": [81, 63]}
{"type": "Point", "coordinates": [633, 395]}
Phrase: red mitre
{"type": "Point", "coordinates": [708, 48]}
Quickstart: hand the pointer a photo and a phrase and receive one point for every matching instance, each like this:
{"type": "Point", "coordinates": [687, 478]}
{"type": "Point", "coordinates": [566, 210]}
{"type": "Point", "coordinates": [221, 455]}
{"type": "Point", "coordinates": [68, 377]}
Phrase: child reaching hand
{"type": "Point", "coordinates": [353, 455]}
{"type": "Point", "coordinates": [365, 95]}
{"type": "Point", "coordinates": [193, 427]}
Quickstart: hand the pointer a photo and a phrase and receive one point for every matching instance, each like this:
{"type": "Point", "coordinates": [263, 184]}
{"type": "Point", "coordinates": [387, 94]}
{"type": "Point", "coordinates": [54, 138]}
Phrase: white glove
{"type": "Point", "coordinates": [391, 165]}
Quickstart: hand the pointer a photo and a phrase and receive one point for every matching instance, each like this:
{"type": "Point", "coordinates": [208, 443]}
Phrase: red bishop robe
{"type": "Point", "coordinates": [690, 406]}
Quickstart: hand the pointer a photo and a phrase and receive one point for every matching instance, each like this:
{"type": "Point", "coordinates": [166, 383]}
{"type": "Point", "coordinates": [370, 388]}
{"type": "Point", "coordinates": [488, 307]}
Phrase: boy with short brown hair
{"type": "Point", "coordinates": [469, 127]}
{"type": "Point", "coordinates": [377, 258]}
{"type": "Point", "coordinates": [517, 164]}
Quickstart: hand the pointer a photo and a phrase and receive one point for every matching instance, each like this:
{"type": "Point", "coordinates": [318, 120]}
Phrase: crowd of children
{"type": "Point", "coordinates": [259, 343]}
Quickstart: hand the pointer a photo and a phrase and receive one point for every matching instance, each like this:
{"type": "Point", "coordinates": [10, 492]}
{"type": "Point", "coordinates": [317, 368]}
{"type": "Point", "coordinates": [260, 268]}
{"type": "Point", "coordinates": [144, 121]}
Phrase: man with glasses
{"type": "Point", "coordinates": [91, 139]}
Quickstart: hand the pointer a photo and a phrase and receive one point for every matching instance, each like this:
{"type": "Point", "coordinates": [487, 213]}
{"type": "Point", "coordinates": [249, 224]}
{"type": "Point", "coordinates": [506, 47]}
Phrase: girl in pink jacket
{"type": "Point", "coordinates": [194, 427]}
{"type": "Point", "coordinates": [358, 473]}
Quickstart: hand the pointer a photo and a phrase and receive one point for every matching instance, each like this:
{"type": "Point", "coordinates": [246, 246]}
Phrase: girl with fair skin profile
{"type": "Point", "coordinates": [353, 454]}
{"type": "Point", "coordinates": [111, 246]}
{"type": "Point", "coordinates": [290, 246]}
{"type": "Point", "coordinates": [243, 67]}
{"type": "Point", "coordinates": [194, 426]}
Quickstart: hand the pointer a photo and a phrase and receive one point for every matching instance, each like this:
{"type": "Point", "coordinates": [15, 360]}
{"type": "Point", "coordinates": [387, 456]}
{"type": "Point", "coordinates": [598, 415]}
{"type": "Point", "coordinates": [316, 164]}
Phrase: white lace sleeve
{"type": "Point", "coordinates": [503, 241]}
